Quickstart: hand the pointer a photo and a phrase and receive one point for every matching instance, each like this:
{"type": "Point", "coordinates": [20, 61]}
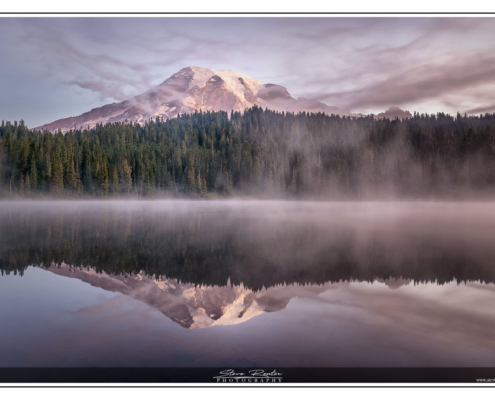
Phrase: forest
{"type": "Point", "coordinates": [258, 153]}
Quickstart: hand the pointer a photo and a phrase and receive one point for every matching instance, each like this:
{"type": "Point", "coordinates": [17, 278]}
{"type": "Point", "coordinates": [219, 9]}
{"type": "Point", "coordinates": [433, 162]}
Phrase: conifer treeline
{"type": "Point", "coordinates": [253, 153]}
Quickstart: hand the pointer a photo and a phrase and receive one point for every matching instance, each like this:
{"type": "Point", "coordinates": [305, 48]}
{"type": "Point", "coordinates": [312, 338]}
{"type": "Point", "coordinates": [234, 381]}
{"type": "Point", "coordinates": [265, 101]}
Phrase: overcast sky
{"type": "Point", "coordinates": [52, 68]}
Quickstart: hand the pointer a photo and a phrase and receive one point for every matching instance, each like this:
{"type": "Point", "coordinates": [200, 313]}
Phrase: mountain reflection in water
{"type": "Point", "coordinates": [275, 283]}
{"type": "Point", "coordinates": [51, 320]}
{"type": "Point", "coordinates": [193, 306]}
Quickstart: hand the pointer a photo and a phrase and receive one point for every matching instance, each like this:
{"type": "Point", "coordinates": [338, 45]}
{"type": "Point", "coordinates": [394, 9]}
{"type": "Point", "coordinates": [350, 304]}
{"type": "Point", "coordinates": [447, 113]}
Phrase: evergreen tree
{"type": "Point", "coordinates": [33, 173]}
{"type": "Point", "coordinates": [57, 179]}
{"type": "Point", "coordinates": [114, 185]}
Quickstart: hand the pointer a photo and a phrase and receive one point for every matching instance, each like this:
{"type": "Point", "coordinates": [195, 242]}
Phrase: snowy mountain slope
{"type": "Point", "coordinates": [190, 89]}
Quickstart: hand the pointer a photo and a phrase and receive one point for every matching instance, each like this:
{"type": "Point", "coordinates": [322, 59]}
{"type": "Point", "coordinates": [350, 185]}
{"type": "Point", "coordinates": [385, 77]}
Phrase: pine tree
{"type": "Point", "coordinates": [126, 177]}
{"type": "Point", "coordinates": [87, 168]}
{"type": "Point", "coordinates": [103, 175]}
{"type": "Point", "coordinates": [57, 181]}
{"type": "Point", "coordinates": [191, 175]}
{"type": "Point", "coordinates": [27, 185]}
{"type": "Point", "coordinates": [201, 184]}
{"type": "Point", "coordinates": [33, 173]}
{"type": "Point", "coordinates": [21, 186]}
{"type": "Point", "coordinates": [114, 186]}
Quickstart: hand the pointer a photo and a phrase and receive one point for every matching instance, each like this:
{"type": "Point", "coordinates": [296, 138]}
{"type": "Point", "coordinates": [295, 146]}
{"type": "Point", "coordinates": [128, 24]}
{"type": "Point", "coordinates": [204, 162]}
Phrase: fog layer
{"type": "Point", "coordinates": [256, 243]}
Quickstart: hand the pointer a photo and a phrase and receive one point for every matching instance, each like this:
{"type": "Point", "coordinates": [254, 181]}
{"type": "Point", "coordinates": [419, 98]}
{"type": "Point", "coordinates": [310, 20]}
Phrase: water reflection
{"type": "Point", "coordinates": [257, 244]}
{"type": "Point", "coordinates": [275, 283]}
{"type": "Point", "coordinates": [193, 306]}
{"type": "Point", "coordinates": [51, 320]}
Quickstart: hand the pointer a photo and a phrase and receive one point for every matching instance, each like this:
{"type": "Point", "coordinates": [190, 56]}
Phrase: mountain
{"type": "Point", "coordinates": [195, 88]}
{"type": "Point", "coordinates": [393, 113]}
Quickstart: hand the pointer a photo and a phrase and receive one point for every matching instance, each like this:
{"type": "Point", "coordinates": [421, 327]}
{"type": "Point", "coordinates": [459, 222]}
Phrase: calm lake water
{"type": "Point", "coordinates": [247, 283]}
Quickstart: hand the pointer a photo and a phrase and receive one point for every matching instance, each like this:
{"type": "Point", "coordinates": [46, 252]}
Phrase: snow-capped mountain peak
{"type": "Point", "coordinates": [190, 89]}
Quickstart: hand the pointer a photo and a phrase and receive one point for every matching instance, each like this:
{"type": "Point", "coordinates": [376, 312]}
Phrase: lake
{"type": "Point", "coordinates": [243, 283]}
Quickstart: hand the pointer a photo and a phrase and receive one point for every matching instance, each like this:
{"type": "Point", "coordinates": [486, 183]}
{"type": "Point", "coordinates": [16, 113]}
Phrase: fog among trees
{"type": "Point", "coordinates": [258, 153]}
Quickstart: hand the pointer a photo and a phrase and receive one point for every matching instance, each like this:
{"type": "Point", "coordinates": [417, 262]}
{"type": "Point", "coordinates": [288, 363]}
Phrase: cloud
{"type": "Point", "coordinates": [104, 90]}
{"type": "Point", "coordinates": [481, 110]}
{"type": "Point", "coordinates": [421, 83]}
{"type": "Point", "coordinates": [429, 59]}
{"type": "Point", "coordinates": [104, 74]}
{"type": "Point", "coordinates": [126, 65]}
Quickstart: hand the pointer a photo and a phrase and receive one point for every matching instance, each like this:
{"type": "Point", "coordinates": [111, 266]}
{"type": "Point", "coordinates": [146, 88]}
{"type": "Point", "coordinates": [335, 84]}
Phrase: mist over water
{"type": "Point", "coordinates": [192, 283]}
{"type": "Point", "coordinates": [256, 243]}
